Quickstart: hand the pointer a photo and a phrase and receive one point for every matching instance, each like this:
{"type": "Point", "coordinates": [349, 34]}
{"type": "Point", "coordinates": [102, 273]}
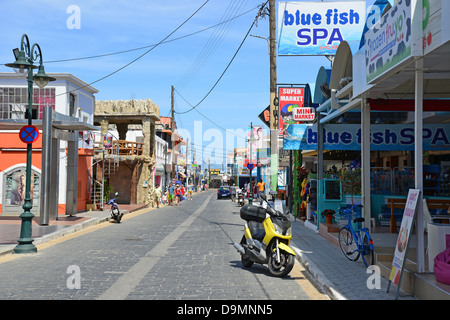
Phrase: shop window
{"type": "Point", "coordinates": [14, 195]}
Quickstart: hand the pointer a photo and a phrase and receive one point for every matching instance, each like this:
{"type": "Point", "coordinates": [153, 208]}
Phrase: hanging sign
{"type": "Point", "coordinates": [317, 28]}
{"type": "Point", "coordinates": [289, 99]}
{"type": "Point", "coordinates": [393, 41]}
{"type": "Point", "coordinates": [29, 134]}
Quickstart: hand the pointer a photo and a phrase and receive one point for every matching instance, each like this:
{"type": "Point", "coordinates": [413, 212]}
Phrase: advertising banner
{"type": "Point", "coordinates": [317, 28]}
{"type": "Point", "coordinates": [393, 137]}
{"type": "Point", "coordinates": [389, 42]}
{"type": "Point", "coordinates": [288, 100]}
{"type": "Point", "coordinates": [432, 25]}
{"type": "Point", "coordinates": [403, 237]}
{"type": "Point", "coordinates": [252, 148]}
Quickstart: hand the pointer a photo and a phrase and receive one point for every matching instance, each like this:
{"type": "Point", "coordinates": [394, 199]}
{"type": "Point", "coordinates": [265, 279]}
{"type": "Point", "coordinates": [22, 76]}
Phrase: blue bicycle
{"type": "Point", "coordinates": [355, 243]}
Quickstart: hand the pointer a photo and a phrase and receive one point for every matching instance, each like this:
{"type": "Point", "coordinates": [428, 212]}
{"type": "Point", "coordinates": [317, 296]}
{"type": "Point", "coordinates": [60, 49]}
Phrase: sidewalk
{"type": "Point", "coordinates": [341, 278]}
{"type": "Point", "coordinates": [10, 226]}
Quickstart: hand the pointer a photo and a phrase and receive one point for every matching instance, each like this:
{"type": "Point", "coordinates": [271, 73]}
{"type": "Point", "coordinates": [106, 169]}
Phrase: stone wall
{"type": "Point", "coordinates": [126, 107]}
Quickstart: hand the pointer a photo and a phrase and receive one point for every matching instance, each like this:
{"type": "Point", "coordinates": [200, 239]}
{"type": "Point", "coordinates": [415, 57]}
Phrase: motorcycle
{"type": "Point", "coordinates": [266, 239]}
{"type": "Point", "coordinates": [116, 215]}
{"type": "Point", "coordinates": [240, 198]}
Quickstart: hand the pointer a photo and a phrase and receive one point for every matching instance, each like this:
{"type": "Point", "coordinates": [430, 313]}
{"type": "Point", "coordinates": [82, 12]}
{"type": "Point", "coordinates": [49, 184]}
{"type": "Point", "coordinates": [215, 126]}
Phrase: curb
{"type": "Point", "coordinates": [8, 249]}
{"type": "Point", "coordinates": [318, 275]}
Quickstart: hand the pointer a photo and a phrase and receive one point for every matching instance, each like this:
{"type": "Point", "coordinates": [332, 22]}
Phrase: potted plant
{"type": "Point", "coordinates": [351, 181]}
{"type": "Point", "coordinates": [328, 214]}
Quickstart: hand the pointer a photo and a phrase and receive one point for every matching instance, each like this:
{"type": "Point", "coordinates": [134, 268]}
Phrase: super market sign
{"type": "Point", "coordinates": [348, 137]}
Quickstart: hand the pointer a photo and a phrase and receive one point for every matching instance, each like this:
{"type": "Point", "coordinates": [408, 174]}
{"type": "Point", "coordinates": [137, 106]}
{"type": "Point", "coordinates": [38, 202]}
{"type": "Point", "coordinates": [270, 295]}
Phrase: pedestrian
{"type": "Point", "coordinates": [171, 194]}
{"type": "Point", "coordinates": [164, 197]}
{"type": "Point", "coordinates": [183, 191]}
{"type": "Point", "coordinates": [254, 190]}
{"type": "Point", "coordinates": [157, 194]}
{"type": "Point", "coordinates": [261, 187]}
{"type": "Point", "coordinates": [178, 194]}
{"type": "Point", "coordinates": [261, 190]}
{"type": "Point", "coordinates": [189, 191]}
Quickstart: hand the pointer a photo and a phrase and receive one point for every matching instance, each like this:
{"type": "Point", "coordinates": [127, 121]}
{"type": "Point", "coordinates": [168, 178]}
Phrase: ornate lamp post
{"type": "Point", "coordinates": [23, 66]}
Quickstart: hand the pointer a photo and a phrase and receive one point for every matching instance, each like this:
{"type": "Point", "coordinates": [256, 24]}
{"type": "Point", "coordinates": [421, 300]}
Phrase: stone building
{"type": "Point", "coordinates": [132, 162]}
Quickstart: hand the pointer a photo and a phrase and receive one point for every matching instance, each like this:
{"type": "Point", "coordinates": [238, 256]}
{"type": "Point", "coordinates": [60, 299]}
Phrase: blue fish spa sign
{"type": "Point", "coordinates": [317, 28]}
{"type": "Point", "coordinates": [395, 137]}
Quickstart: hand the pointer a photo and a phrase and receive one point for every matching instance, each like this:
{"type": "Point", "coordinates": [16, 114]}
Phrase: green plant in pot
{"type": "Point", "coordinates": [351, 181]}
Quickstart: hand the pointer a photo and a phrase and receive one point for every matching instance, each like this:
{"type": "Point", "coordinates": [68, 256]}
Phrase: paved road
{"type": "Point", "coordinates": [170, 253]}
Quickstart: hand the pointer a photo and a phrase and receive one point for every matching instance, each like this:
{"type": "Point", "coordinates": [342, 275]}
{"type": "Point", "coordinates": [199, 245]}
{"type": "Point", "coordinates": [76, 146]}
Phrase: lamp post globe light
{"type": "Point", "coordinates": [23, 66]}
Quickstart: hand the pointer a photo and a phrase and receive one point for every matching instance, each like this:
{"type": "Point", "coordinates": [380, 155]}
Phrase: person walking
{"type": "Point", "coordinates": [157, 194]}
{"type": "Point", "coordinates": [189, 187]}
{"type": "Point", "coordinates": [261, 189]}
{"type": "Point", "coordinates": [171, 194]}
{"type": "Point", "coordinates": [164, 197]}
{"type": "Point", "coordinates": [178, 195]}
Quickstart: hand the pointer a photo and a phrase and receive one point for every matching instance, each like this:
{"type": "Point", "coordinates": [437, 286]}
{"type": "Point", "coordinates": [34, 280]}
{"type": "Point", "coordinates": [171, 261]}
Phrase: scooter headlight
{"type": "Point", "coordinates": [278, 229]}
{"type": "Point", "coordinates": [288, 231]}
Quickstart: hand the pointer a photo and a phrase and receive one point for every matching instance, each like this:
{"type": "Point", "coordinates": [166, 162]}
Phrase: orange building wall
{"type": "Point", "coordinates": [11, 158]}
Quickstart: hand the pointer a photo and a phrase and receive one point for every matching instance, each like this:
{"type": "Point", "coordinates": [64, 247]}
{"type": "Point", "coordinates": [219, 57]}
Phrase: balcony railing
{"type": "Point", "coordinates": [128, 148]}
{"type": "Point", "coordinates": [125, 148]}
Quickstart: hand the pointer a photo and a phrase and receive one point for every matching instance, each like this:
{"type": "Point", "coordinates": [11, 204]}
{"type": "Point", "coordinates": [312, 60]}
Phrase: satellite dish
{"type": "Point", "coordinates": [325, 90]}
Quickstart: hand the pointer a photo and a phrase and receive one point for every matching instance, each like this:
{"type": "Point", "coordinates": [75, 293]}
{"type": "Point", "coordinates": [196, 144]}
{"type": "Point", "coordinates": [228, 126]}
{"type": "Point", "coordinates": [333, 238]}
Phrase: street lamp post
{"type": "Point", "coordinates": [24, 66]}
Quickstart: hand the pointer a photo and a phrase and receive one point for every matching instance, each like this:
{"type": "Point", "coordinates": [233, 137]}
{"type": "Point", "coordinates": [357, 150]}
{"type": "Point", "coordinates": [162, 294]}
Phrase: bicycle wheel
{"type": "Point", "coordinates": [367, 250]}
{"type": "Point", "coordinates": [348, 245]}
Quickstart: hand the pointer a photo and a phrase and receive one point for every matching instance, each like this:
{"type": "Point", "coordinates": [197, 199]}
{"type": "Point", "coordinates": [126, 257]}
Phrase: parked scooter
{"type": "Point", "coordinates": [114, 211]}
{"type": "Point", "coordinates": [266, 239]}
{"type": "Point", "coordinates": [240, 198]}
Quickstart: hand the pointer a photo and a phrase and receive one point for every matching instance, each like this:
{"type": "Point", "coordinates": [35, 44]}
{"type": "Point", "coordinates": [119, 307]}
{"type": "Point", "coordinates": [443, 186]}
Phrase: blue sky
{"type": "Point", "coordinates": [192, 64]}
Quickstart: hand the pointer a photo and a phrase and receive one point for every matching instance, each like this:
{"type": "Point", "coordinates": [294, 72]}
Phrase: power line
{"type": "Point", "coordinates": [142, 55]}
{"type": "Point", "coordinates": [151, 45]}
{"type": "Point", "coordinates": [211, 45]}
{"type": "Point", "coordinates": [223, 73]}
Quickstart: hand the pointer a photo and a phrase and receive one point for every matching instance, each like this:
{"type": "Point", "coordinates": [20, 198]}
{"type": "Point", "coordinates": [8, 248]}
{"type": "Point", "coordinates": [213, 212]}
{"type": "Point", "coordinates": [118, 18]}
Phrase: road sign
{"type": "Point", "coordinates": [250, 166]}
{"type": "Point", "coordinates": [29, 134]}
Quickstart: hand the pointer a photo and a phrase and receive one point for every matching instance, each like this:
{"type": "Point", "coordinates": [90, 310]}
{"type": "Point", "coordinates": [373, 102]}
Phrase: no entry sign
{"type": "Point", "coordinates": [29, 134]}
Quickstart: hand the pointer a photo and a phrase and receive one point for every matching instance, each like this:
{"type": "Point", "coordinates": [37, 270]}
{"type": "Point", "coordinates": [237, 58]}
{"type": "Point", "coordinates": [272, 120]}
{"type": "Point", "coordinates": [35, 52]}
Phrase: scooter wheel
{"type": "Point", "coordinates": [284, 267]}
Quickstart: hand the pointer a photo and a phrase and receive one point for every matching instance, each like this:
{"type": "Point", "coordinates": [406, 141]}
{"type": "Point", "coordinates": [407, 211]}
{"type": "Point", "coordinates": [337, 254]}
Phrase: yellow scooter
{"type": "Point", "coordinates": [266, 239]}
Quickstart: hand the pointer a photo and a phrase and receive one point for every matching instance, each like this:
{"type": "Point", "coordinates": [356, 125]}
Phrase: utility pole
{"type": "Point", "coordinates": [195, 170]}
{"type": "Point", "coordinates": [273, 108]}
{"type": "Point", "coordinates": [187, 162]}
{"type": "Point", "coordinates": [172, 124]}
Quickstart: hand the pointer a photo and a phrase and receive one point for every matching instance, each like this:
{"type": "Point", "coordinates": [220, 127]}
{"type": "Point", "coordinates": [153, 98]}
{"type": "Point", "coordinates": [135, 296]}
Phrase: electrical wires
{"type": "Point", "coordinates": [228, 65]}
{"type": "Point", "coordinates": [142, 55]}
